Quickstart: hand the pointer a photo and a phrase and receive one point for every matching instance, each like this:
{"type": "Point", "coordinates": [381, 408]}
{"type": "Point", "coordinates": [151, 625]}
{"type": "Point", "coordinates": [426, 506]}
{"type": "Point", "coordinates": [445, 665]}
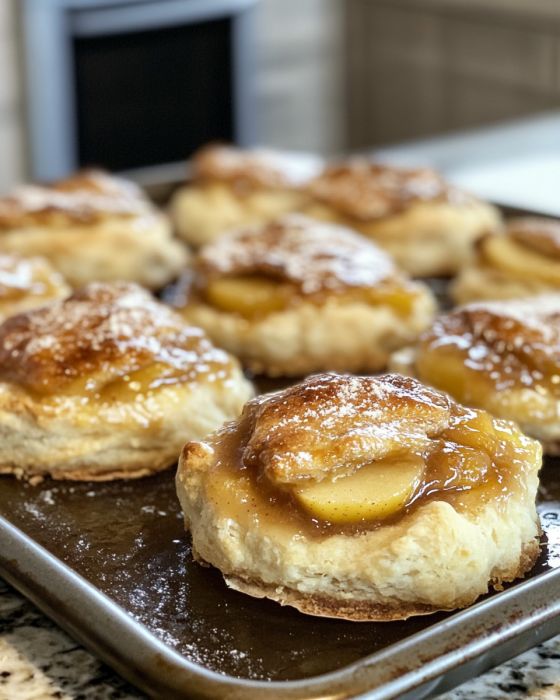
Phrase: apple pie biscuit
{"type": "Point", "coordinates": [503, 356]}
{"type": "Point", "coordinates": [427, 225]}
{"type": "Point", "coordinates": [296, 296]}
{"type": "Point", "coordinates": [232, 187]}
{"type": "Point", "coordinates": [364, 498]}
{"type": "Point", "coordinates": [523, 262]}
{"type": "Point", "coordinates": [106, 384]}
{"type": "Point", "coordinates": [92, 227]}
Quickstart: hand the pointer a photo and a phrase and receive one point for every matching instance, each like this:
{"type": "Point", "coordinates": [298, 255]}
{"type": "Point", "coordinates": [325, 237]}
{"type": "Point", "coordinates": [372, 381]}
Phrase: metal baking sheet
{"type": "Point", "coordinates": [112, 564]}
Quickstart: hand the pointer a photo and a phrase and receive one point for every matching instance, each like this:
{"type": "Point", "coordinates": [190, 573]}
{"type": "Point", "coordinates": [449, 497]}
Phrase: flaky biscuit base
{"type": "Point", "coordinates": [366, 611]}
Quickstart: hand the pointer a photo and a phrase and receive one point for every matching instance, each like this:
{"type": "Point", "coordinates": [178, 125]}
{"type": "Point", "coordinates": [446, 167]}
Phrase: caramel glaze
{"type": "Point", "coordinates": [401, 295]}
{"type": "Point", "coordinates": [512, 344]}
{"type": "Point", "coordinates": [474, 460]}
{"type": "Point", "coordinates": [105, 342]}
{"type": "Point", "coordinates": [307, 261]}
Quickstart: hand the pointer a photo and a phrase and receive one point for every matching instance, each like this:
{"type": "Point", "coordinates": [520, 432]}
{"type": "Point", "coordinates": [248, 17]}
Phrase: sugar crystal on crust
{"type": "Point", "coordinates": [332, 422]}
{"type": "Point", "coordinates": [513, 343]}
{"type": "Point", "coordinates": [102, 333]}
{"type": "Point", "coordinates": [313, 255]}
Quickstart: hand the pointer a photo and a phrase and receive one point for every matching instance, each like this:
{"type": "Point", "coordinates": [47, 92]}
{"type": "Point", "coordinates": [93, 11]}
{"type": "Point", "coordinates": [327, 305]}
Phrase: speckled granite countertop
{"type": "Point", "coordinates": [39, 662]}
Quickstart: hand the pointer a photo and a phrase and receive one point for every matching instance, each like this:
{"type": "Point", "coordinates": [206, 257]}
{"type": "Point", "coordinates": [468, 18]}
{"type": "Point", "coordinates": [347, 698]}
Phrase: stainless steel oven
{"type": "Point", "coordinates": [135, 85]}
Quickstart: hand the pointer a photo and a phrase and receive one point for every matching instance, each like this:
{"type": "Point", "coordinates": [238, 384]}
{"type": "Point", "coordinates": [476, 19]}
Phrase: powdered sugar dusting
{"type": "Point", "coordinates": [331, 421]}
{"type": "Point", "coordinates": [315, 256]}
{"type": "Point", "coordinates": [102, 333]}
{"type": "Point", "coordinates": [368, 191]}
{"type": "Point", "coordinates": [28, 276]}
{"type": "Point", "coordinates": [513, 343]}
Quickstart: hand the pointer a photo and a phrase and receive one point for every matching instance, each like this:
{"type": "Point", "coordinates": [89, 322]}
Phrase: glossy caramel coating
{"type": "Point", "coordinates": [313, 256]}
{"type": "Point", "coordinates": [103, 333]}
{"type": "Point", "coordinates": [333, 424]}
{"type": "Point", "coordinates": [87, 197]}
{"type": "Point", "coordinates": [510, 345]}
{"type": "Point", "coordinates": [247, 170]}
{"type": "Point", "coordinates": [367, 191]}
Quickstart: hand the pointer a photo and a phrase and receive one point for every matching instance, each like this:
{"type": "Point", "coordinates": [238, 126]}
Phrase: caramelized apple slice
{"type": "Point", "coordinates": [374, 492]}
{"type": "Point", "coordinates": [248, 296]}
{"type": "Point", "coordinates": [401, 299]}
{"type": "Point", "coordinates": [521, 261]}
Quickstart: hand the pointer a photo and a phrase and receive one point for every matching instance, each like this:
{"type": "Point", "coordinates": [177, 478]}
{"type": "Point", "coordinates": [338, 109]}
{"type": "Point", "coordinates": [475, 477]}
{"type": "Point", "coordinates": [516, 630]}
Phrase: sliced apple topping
{"type": "Point", "coordinates": [519, 260]}
{"type": "Point", "coordinates": [248, 296]}
{"type": "Point", "coordinates": [374, 492]}
{"type": "Point", "coordinates": [402, 299]}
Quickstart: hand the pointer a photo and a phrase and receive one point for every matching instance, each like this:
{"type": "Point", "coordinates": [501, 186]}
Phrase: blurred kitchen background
{"type": "Point", "coordinates": [137, 85]}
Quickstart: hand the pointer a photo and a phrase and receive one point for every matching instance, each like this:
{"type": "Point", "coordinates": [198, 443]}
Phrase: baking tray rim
{"type": "Point", "coordinates": [33, 570]}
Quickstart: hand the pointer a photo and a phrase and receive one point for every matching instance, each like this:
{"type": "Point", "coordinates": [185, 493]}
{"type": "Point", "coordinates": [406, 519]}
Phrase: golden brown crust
{"type": "Point", "coordinates": [368, 191]}
{"type": "Point", "coordinates": [247, 170]}
{"type": "Point", "coordinates": [536, 233]}
{"type": "Point", "coordinates": [101, 333]}
{"type": "Point", "coordinates": [314, 256]}
{"type": "Point", "coordinates": [86, 198]}
{"type": "Point", "coordinates": [367, 417]}
{"type": "Point", "coordinates": [512, 343]}
{"type": "Point", "coordinates": [365, 610]}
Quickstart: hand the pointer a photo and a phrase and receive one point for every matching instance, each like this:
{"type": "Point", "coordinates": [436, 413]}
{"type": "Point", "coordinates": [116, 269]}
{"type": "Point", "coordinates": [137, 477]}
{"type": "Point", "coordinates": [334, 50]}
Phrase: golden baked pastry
{"type": "Point", "coordinates": [296, 296]}
{"type": "Point", "coordinates": [501, 356]}
{"type": "Point", "coordinates": [232, 187]}
{"type": "Point", "coordinates": [523, 262]}
{"type": "Point", "coordinates": [92, 227]}
{"type": "Point", "coordinates": [26, 283]}
{"type": "Point", "coordinates": [428, 226]}
{"type": "Point", "coordinates": [106, 384]}
{"type": "Point", "coordinates": [365, 498]}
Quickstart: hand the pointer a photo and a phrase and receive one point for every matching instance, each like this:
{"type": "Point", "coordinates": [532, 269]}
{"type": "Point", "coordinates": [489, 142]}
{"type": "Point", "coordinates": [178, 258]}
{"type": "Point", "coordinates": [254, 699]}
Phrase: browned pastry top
{"type": "Point", "coordinates": [337, 423]}
{"type": "Point", "coordinates": [85, 198]}
{"type": "Point", "coordinates": [312, 255]}
{"type": "Point", "coordinates": [256, 168]}
{"type": "Point", "coordinates": [331, 426]}
{"type": "Point", "coordinates": [104, 333]}
{"type": "Point", "coordinates": [512, 343]}
{"type": "Point", "coordinates": [21, 277]}
{"type": "Point", "coordinates": [537, 233]}
{"type": "Point", "coordinates": [367, 191]}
